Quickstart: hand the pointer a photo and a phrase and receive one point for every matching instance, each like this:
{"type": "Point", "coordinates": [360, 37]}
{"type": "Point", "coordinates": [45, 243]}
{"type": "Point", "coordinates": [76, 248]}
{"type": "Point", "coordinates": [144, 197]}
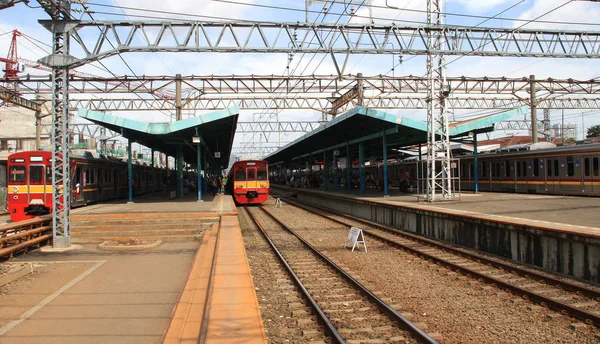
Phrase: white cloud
{"type": "Point", "coordinates": [572, 13]}
{"type": "Point", "coordinates": [479, 6]}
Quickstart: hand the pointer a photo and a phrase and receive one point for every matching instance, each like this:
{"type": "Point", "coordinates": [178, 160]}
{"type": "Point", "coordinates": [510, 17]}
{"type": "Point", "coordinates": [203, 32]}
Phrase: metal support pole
{"type": "Point", "coordinates": [153, 172]}
{"type": "Point", "coordinates": [475, 163]}
{"type": "Point", "coordinates": [348, 168]}
{"type": "Point", "coordinates": [360, 90]}
{"type": "Point", "coordinates": [361, 162]}
{"type": "Point", "coordinates": [334, 171]}
{"type": "Point", "coordinates": [179, 164]}
{"type": "Point", "coordinates": [206, 171]}
{"type": "Point", "coordinates": [199, 169]}
{"type": "Point", "coordinates": [167, 171]}
{"type": "Point", "coordinates": [420, 170]}
{"type": "Point", "coordinates": [178, 107]}
{"type": "Point", "coordinates": [38, 130]}
{"type": "Point", "coordinates": [533, 106]}
{"type": "Point", "coordinates": [385, 166]}
{"type": "Point", "coordinates": [130, 180]}
{"type": "Point", "coordinates": [325, 169]}
{"type": "Point", "coordinates": [61, 167]}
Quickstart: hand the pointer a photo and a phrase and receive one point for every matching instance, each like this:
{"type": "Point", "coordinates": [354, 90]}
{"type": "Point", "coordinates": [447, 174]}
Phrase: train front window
{"type": "Point", "coordinates": [17, 174]}
{"type": "Point", "coordinates": [251, 174]}
{"type": "Point", "coordinates": [262, 175]}
{"type": "Point", "coordinates": [240, 175]}
{"type": "Point", "coordinates": [36, 174]}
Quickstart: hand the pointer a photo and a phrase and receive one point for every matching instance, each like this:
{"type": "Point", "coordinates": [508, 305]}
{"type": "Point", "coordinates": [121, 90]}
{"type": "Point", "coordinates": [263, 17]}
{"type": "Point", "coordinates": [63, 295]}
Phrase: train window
{"type": "Point", "coordinates": [251, 175]}
{"type": "Point", "coordinates": [36, 174]}
{"type": "Point", "coordinates": [17, 174]}
{"type": "Point", "coordinates": [595, 166]}
{"type": "Point", "coordinates": [240, 174]}
{"type": "Point", "coordinates": [518, 168]}
{"type": "Point", "coordinates": [587, 166]}
{"type": "Point", "coordinates": [549, 168]}
{"type": "Point", "coordinates": [536, 167]}
{"type": "Point", "coordinates": [498, 169]}
{"type": "Point", "coordinates": [507, 168]}
{"type": "Point", "coordinates": [262, 175]}
{"type": "Point", "coordinates": [570, 167]}
{"type": "Point", "coordinates": [525, 168]}
{"type": "Point", "coordinates": [556, 170]}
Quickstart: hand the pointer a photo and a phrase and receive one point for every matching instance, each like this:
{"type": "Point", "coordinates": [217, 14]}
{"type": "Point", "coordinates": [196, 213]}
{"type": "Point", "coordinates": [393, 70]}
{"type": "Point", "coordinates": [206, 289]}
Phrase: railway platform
{"type": "Point", "coordinates": [556, 233]}
{"type": "Point", "coordinates": [175, 292]}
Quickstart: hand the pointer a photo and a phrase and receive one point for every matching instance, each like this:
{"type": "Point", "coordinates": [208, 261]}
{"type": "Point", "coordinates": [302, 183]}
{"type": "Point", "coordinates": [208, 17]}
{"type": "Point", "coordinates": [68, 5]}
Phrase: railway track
{"type": "Point", "coordinates": [347, 310]}
{"type": "Point", "coordinates": [560, 294]}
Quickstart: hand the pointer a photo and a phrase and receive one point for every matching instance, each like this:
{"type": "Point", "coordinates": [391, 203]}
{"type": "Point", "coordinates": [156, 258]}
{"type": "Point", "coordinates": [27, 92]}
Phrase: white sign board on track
{"type": "Point", "coordinates": [355, 237]}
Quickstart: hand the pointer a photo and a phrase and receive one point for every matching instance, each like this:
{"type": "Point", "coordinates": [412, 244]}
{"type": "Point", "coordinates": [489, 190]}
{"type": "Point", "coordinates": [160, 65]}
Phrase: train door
{"type": "Point", "coordinates": [115, 180]}
{"type": "Point", "coordinates": [515, 174]}
{"type": "Point", "coordinates": [77, 185]}
{"type": "Point", "coordinates": [586, 174]}
{"type": "Point", "coordinates": [36, 185]}
{"type": "Point", "coordinates": [595, 178]}
{"type": "Point", "coordinates": [251, 183]}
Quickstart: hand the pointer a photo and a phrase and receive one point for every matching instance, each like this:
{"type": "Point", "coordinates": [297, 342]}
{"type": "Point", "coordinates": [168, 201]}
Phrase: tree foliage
{"type": "Point", "coordinates": [594, 131]}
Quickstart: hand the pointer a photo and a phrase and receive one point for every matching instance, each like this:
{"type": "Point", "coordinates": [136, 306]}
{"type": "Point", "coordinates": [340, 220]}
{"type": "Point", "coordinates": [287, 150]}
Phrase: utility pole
{"type": "Point", "coordinates": [533, 107]}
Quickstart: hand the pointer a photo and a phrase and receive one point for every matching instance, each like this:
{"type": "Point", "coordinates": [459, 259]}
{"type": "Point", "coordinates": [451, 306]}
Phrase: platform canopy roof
{"type": "Point", "coordinates": [216, 130]}
{"type": "Point", "coordinates": [367, 125]}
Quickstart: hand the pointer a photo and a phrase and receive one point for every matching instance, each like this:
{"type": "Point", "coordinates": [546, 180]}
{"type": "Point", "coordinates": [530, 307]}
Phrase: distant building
{"type": "Point", "coordinates": [569, 130]}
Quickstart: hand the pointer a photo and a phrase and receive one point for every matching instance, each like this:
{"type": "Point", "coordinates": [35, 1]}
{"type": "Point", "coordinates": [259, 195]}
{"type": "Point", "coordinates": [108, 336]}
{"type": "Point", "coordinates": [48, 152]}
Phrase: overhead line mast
{"type": "Point", "coordinates": [438, 132]}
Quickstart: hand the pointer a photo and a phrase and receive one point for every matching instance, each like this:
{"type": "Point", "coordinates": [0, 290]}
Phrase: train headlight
{"type": "Point", "coordinates": [15, 197]}
{"type": "Point", "coordinates": [15, 189]}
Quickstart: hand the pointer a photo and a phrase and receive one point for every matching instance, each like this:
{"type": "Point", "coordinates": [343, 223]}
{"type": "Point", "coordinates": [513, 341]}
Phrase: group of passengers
{"type": "Point", "coordinates": [216, 185]}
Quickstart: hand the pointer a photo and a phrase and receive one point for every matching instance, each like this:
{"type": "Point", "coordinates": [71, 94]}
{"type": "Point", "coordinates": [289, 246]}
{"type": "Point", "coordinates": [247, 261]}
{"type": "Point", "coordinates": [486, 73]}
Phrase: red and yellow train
{"type": "Point", "coordinates": [248, 181]}
{"type": "Point", "coordinates": [94, 178]}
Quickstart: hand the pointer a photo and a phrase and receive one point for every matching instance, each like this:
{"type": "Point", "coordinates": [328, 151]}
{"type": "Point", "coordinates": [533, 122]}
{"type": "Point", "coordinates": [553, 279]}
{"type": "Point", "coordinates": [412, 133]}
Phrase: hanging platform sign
{"type": "Point", "coordinates": [355, 237]}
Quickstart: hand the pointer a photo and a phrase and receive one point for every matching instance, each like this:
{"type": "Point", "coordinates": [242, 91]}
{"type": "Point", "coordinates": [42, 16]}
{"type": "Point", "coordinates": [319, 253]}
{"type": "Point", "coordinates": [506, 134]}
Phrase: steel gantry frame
{"type": "Point", "coordinates": [321, 102]}
{"type": "Point", "coordinates": [256, 84]}
{"type": "Point", "coordinates": [275, 37]}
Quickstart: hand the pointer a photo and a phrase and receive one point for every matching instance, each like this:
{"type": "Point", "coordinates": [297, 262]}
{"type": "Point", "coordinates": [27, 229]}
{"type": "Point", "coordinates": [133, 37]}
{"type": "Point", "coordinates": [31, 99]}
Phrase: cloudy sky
{"type": "Point", "coordinates": [570, 15]}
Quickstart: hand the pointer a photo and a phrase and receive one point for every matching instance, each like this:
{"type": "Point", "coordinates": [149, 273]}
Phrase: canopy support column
{"type": "Point", "coordinates": [361, 162]}
{"type": "Point", "coordinates": [199, 169]}
{"type": "Point", "coordinates": [130, 171]}
{"type": "Point", "coordinates": [179, 164]}
{"type": "Point", "coordinates": [385, 167]}
{"type": "Point", "coordinates": [475, 163]}
{"type": "Point", "coordinates": [153, 172]}
{"type": "Point", "coordinates": [348, 168]}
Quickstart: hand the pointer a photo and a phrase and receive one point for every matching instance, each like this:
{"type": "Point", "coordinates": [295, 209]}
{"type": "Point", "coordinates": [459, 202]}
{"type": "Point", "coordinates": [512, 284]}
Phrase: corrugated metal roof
{"type": "Point", "coordinates": [367, 125]}
{"type": "Point", "coordinates": [216, 128]}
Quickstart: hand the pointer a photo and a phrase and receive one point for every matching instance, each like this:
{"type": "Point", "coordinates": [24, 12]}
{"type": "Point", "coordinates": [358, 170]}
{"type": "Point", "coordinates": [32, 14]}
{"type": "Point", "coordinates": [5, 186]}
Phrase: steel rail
{"type": "Point", "coordinates": [392, 313]}
{"type": "Point", "coordinates": [329, 327]}
{"type": "Point", "coordinates": [588, 317]}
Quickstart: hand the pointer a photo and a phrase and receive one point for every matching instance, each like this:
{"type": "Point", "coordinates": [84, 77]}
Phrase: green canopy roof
{"type": "Point", "coordinates": [216, 130]}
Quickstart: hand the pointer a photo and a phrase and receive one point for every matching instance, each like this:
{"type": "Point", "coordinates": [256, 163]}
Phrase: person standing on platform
{"type": "Point", "coordinates": [223, 183]}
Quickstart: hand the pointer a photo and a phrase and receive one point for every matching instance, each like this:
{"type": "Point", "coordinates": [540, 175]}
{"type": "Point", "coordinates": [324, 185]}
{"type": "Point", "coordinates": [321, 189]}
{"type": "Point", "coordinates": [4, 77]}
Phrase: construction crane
{"type": "Point", "coordinates": [11, 70]}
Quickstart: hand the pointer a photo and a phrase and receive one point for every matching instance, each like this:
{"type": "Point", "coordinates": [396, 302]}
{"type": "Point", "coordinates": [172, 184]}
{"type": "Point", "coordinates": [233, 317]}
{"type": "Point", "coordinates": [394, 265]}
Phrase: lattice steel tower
{"type": "Point", "coordinates": [439, 183]}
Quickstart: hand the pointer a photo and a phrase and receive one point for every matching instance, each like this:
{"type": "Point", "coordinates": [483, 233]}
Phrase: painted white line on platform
{"type": "Point", "coordinates": [49, 299]}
